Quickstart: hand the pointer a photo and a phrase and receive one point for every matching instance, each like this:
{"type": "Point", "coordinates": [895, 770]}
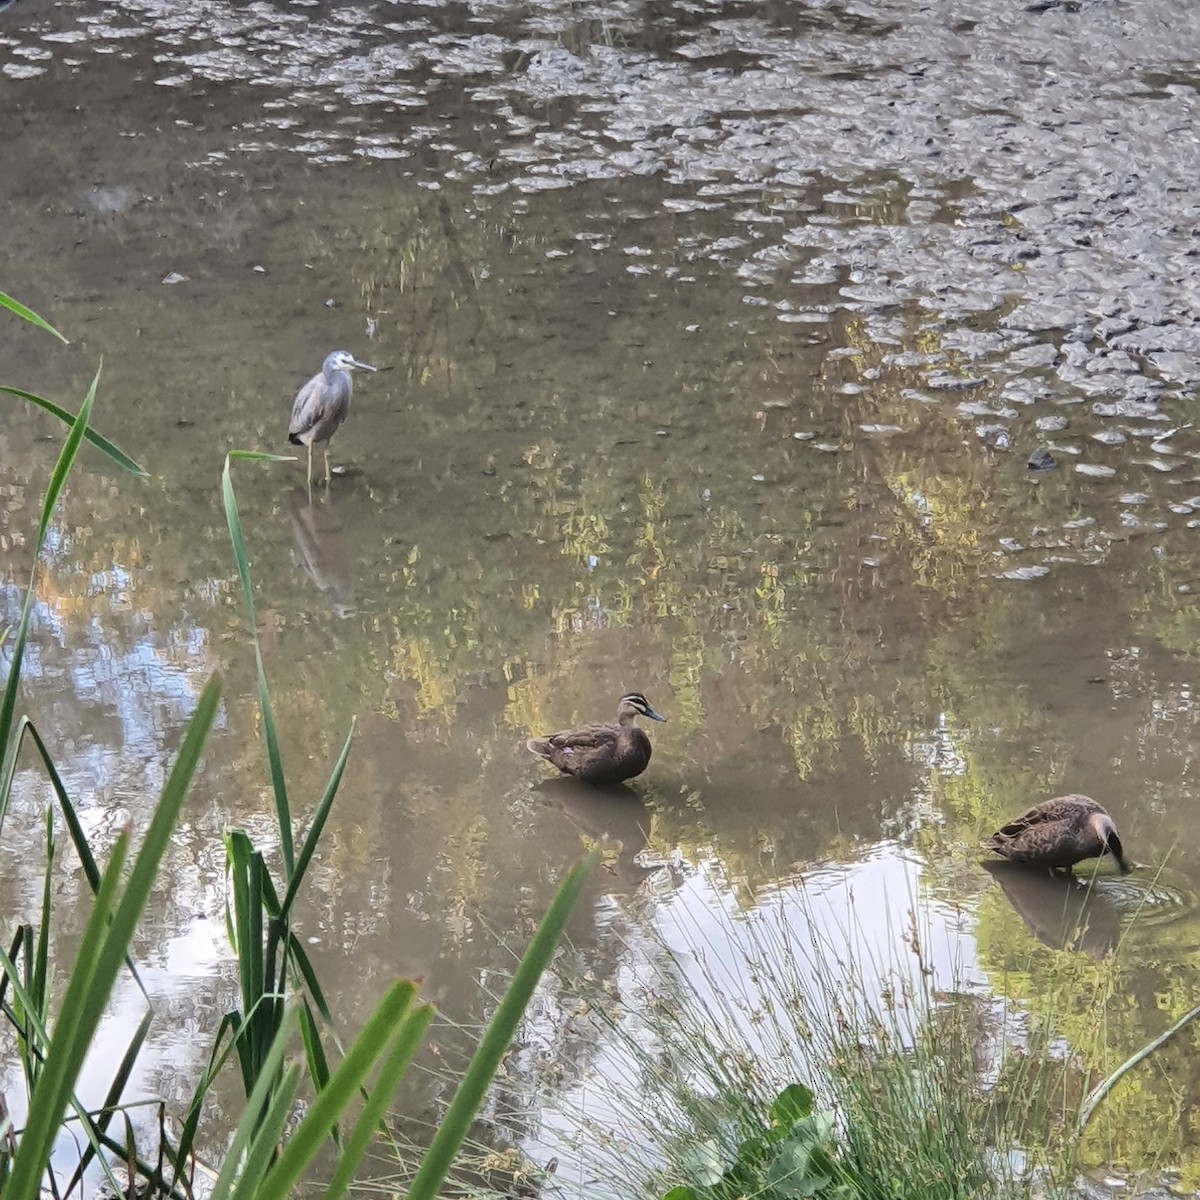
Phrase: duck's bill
{"type": "Point", "coordinates": [654, 716]}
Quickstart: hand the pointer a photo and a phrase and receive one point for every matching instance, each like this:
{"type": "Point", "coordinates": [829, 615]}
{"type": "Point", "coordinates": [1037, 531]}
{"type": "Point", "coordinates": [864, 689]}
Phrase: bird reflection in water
{"type": "Point", "coordinates": [1062, 911]}
{"type": "Point", "coordinates": [321, 550]}
{"type": "Point", "coordinates": [612, 814]}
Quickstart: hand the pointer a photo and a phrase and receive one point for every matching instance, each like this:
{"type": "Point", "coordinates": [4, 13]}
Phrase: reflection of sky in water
{"type": "Point", "coordinates": [117, 685]}
{"type": "Point", "coordinates": [856, 922]}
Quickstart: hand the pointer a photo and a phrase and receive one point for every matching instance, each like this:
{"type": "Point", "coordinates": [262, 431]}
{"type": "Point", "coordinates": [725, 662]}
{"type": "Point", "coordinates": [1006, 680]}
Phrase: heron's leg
{"type": "Point", "coordinates": [310, 472]}
{"type": "Point", "coordinates": [328, 473]}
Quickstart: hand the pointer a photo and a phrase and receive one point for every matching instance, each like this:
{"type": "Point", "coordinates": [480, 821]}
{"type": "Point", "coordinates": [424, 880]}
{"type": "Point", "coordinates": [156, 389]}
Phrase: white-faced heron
{"type": "Point", "coordinates": [322, 403]}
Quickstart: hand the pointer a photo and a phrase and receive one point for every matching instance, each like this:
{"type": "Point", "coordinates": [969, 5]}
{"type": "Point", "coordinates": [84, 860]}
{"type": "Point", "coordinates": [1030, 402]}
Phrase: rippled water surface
{"type": "Point", "coordinates": [723, 341]}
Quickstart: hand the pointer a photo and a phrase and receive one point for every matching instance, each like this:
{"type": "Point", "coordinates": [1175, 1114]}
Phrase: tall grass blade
{"type": "Point", "coordinates": [74, 826]}
{"type": "Point", "coordinates": [8, 703]}
{"type": "Point", "coordinates": [38, 982]}
{"type": "Point", "coordinates": [244, 1132]}
{"type": "Point", "coordinates": [318, 825]}
{"type": "Point", "coordinates": [35, 1035]}
{"type": "Point", "coordinates": [385, 1024]}
{"type": "Point", "coordinates": [112, 1099]}
{"type": "Point", "coordinates": [103, 947]}
{"type": "Point", "coordinates": [191, 1123]}
{"type": "Point", "coordinates": [65, 1057]}
{"type": "Point", "coordinates": [314, 1051]}
{"type": "Point", "coordinates": [391, 1072]}
{"type": "Point", "coordinates": [27, 314]}
{"type": "Point", "coordinates": [435, 1166]}
{"type": "Point", "coordinates": [274, 760]}
{"type": "Point", "coordinates": [300, 960]}
{"type": "Point", "coordinates": [113, 452]}
{"type": "Point", "coordinates": [268, 1135]}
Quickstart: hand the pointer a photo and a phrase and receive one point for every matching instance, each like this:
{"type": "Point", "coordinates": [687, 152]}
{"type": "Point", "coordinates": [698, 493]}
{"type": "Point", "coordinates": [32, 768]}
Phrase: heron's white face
{"type": "Point", "coordinates": [343, 360]}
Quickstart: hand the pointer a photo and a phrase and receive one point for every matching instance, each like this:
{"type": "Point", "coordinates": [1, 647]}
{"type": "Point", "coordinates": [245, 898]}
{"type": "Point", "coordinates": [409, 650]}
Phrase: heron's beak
{"type": "Point", "coordinates": [364, 366]}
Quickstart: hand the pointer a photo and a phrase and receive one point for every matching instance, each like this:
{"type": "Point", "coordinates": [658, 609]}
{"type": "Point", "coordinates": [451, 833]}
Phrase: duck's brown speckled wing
{"type": "Point", "coordinates": [576, 751]}
{"type": "Point", "coordinates": [586, 737]}
{"type": "Point", "coordinates": [1056, 833]}
{"type": "Point", "coordinates": [1049, 819]}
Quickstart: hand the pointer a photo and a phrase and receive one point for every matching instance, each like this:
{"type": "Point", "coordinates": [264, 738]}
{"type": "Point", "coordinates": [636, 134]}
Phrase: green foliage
{"type": "Point", "coordinates": [27, 314]}
{"type": "Point", "coordinates": [792, 1158]}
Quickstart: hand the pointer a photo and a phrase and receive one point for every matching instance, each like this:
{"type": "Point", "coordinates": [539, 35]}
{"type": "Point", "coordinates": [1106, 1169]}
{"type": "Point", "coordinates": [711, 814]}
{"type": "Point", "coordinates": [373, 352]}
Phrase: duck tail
{"type": "Point", "coordinates": [538, 746]}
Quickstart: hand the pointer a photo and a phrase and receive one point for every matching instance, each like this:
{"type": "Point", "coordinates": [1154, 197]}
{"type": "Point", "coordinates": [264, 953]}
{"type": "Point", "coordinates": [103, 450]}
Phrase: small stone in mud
{"type": "Point", "coordinates": [1054, 424]}
{"type": "Point", "coordinates": [1042, 460]}
{"type": "Point", "coordinates": [943, 381]}
{"type": "Point", "coordinates": [1035, 572]}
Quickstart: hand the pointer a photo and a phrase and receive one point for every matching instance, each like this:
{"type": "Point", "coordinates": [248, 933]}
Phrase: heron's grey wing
{"type": "Point", "coordinates": [309, 406]}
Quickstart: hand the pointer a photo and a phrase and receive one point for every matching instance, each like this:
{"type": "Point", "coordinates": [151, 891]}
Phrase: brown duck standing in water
{"type": "Point", "coordinates": [1058, 833]}
{"type": "Point", "coordinates": [602, 754]}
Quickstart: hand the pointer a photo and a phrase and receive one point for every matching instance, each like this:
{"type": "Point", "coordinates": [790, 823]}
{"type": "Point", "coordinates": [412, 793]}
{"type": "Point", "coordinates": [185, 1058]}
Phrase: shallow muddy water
{"type": "Point", "coordinates": [719, 339]}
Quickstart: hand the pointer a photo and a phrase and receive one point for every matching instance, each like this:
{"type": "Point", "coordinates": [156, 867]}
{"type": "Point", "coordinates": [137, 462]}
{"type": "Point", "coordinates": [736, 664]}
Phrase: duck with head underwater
{"type": "Point", "coordinates": [602, 754]}
{"type": "Point", "coordinates": [1058, 833]}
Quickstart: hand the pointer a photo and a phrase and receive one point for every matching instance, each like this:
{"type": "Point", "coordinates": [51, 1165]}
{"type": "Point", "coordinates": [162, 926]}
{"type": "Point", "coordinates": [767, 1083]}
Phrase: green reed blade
{"type": "Point", "coordinates": [19, 939]}
{"type": "Point", "coordinates": [275, 761]}
{"type": "Point", "coordinates": [112, 1099]}
{"type": "Point", "coordinates": [68, 1046]}
{"type": "Point", "coordinates": [106, 939]}
{"type": "Point", "coordinates": [268, 1135]}
{"type": "Point", "coordinates": [254, 921]}
{"type": "Point", "coordinates": [318, 825]}
{"type": "Point", "coordinates": [436, 1163]}
{"type": "Point", "coordinates": [244, 1131]}
{"type": "Point", "coordinates": [314, 1049]}
{"type": "Point", "coordinates": [111, 451]}
{"type": "Point", "coordinates": [222, 1044]}
{"type": "Point", "coordinates": [8, 704]}
{"type": "Point", "coordinates": [239, 854]}
{"type": "Point", "coordinates": [27, 314]}
{"type": "Point", "coordinates": [298, 956]}
{"type": "Point", "coordinates": [384, 1025]}
{"type": "Point", "coordinates": [74, 826]}
{"type": "Point", "coordinates": [392, 1071]}
{"type": "Point", "coordinates": [39, 983]}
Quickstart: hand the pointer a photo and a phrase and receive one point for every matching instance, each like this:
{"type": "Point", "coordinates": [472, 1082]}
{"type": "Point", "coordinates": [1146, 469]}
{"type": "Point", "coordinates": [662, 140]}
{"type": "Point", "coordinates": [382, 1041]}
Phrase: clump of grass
{"type": "Point", "coordinates": [716, 1013]}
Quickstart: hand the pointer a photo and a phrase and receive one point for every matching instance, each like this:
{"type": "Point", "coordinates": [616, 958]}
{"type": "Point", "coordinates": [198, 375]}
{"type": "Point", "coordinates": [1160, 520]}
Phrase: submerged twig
{"type": "Point", "coordinates": [1096, 1096]}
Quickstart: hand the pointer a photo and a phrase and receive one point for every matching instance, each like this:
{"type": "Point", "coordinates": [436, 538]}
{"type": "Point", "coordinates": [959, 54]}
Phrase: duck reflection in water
{"type": "Point", "coordinates": [321, 550]}
{"type": "Point", "coordinates": [1061, 911]}
{"type": "Point", "coordinates": [612, 814]}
